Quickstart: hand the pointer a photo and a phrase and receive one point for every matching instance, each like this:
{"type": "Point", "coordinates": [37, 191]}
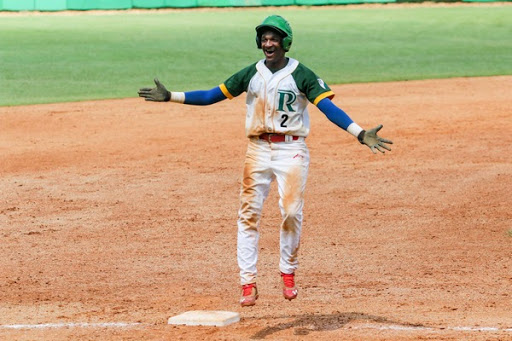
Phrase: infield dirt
{"type": "Point", "coordinates": [125, 211]}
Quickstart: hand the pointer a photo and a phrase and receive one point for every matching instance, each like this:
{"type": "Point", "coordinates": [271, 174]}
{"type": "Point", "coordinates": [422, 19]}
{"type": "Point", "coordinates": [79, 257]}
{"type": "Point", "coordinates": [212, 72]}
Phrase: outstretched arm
{"type": "Point", "coordinates": [198, 97]}
{"type": "Point", "coordinates": [342, 120]}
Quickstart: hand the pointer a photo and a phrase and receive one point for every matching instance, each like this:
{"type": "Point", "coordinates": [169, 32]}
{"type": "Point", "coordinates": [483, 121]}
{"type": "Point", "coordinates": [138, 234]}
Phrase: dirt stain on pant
{"type": "Point", "coordinates": [248, 196]}
{"type": "Point", "coordinates": [292, 200]}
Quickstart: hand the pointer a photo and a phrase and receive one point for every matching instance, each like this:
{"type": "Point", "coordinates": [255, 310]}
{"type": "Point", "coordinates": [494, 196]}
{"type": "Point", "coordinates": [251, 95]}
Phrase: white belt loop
{"type": "Point", "coordinates": [288, 138]}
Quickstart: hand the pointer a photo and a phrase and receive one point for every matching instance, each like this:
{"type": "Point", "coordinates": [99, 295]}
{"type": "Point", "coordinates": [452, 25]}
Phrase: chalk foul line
{"type": "Point", "coordinates": [70, 325]}
{"type": "Point", "coordinates": [433, 329]}
{"type": "Point", "coordinates": [395, 327]}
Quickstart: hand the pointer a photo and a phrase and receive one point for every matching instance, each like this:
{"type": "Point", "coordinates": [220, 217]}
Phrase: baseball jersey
{"type": "Point", "coordinates": [277, 102]}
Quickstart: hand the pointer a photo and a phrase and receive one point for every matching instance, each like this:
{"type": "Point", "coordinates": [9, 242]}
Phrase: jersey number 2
{"type": "Point", "coordinates": [285, 118]}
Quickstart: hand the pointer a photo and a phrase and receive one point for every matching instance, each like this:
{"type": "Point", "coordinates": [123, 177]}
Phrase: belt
{"type": "Point", "coordinates": [278, 137]}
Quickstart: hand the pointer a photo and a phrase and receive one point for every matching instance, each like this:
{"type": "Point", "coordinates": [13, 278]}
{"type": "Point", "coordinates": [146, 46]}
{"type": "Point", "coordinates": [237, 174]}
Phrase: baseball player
{"type": "Point", "coordinates": [278, 90]}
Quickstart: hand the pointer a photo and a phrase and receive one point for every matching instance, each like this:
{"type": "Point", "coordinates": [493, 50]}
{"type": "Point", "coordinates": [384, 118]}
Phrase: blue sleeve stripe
{"type": "Point", "coordinates": [334, 114]}
{"type": "Point", "coordinates": [204, 97]}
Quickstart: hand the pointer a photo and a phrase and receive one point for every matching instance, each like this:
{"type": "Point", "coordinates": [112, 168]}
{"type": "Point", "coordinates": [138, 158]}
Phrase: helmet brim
{"type": "Point", "coordinates": [260, 29]}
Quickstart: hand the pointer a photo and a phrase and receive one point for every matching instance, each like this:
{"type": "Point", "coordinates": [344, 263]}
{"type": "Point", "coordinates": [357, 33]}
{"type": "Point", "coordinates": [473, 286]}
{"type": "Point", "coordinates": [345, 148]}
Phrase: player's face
{"type": "Point", "coordinates": [273, 50]}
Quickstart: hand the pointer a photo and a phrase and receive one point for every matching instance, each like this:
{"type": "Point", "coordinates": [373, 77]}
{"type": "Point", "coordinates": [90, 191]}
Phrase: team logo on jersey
{"type": "Point", "coordinates": [321, 82]}
{"type": "Point", "coordinates": [286, 98]}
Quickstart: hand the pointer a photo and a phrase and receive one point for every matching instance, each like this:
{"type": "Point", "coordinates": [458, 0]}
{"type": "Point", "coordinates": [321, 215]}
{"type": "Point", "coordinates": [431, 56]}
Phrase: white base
{"type": "Point", "coordinates": [205, 318]}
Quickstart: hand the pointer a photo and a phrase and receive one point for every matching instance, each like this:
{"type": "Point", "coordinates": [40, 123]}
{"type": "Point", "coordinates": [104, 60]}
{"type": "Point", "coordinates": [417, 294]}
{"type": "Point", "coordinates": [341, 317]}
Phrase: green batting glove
{"type": "Point", "coordinates": [374, 141]}
{"type": "Point", "coordinates": [158, 94]}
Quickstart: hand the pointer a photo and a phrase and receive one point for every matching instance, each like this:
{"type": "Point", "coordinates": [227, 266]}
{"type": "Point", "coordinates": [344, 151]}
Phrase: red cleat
{"type": "Point", "coordinates": [289, 290]}
{"type": "Point", "coordinates": [249, 295]}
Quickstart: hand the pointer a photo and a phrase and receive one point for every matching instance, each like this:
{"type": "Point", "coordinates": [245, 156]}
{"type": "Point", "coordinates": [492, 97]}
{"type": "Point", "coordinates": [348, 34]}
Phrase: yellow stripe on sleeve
{"type": "Point", "coordinates": [225, 91]}
{"type": "Point", "coordinates": [329, 94]}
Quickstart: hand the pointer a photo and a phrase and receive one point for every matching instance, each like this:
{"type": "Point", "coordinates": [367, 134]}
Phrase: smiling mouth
{"type": "Point", "coordinates": [269, 53]}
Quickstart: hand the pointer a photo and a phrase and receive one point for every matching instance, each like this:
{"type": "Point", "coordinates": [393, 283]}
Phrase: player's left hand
{"type": "Point", "coordinates": [158, 94]}
{"type": "Point", "coordinates": [374, 141]}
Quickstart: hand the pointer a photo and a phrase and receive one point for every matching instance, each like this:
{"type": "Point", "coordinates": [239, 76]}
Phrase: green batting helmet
{"type": "Point", "coordinates": [280, 25]}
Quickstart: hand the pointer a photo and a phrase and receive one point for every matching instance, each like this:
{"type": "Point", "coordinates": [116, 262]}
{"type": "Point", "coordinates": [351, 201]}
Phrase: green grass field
{"type": "Point", "coordinates": [51, 58]}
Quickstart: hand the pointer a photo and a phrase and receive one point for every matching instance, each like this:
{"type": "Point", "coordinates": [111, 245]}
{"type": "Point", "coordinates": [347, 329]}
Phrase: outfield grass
{"type": "Point", "coordinates": [67, 58]}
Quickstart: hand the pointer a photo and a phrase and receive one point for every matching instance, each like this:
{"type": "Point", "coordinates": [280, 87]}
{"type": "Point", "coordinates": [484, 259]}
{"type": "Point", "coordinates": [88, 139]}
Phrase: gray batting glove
{"type": "Point", "coordinates": [158, 94]}
{"type": "Point", "coordinates": [374, 141]}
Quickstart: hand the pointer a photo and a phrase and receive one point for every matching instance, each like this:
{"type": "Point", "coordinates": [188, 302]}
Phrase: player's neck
{"type": "Point", "coordinates": [276, 65]}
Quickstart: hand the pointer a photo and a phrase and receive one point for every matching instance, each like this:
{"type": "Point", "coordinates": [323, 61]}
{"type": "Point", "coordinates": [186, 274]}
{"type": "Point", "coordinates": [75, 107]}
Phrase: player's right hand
{"type": "Point", "coordinates": [158, 94]}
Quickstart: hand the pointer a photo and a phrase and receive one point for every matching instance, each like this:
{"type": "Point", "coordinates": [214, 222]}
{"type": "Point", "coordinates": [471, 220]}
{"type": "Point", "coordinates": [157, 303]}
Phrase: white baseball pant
{"type": "Point", "coordinates": [288, 163]}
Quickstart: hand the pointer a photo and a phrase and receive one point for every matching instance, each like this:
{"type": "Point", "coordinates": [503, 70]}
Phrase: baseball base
{"type": "Point", "coordinates": [205, 318]}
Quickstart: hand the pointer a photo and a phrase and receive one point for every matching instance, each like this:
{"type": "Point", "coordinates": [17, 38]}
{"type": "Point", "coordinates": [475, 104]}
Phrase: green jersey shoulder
{"type": "Point", "coordinates": [307, 82]}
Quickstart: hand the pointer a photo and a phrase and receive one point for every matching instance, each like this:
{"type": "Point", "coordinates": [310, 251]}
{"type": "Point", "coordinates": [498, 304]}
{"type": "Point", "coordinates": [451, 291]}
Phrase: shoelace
{"type": "Point", "coordinates": [247, 289]}
{"type": "Point", "coordinates": [288, 280]}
